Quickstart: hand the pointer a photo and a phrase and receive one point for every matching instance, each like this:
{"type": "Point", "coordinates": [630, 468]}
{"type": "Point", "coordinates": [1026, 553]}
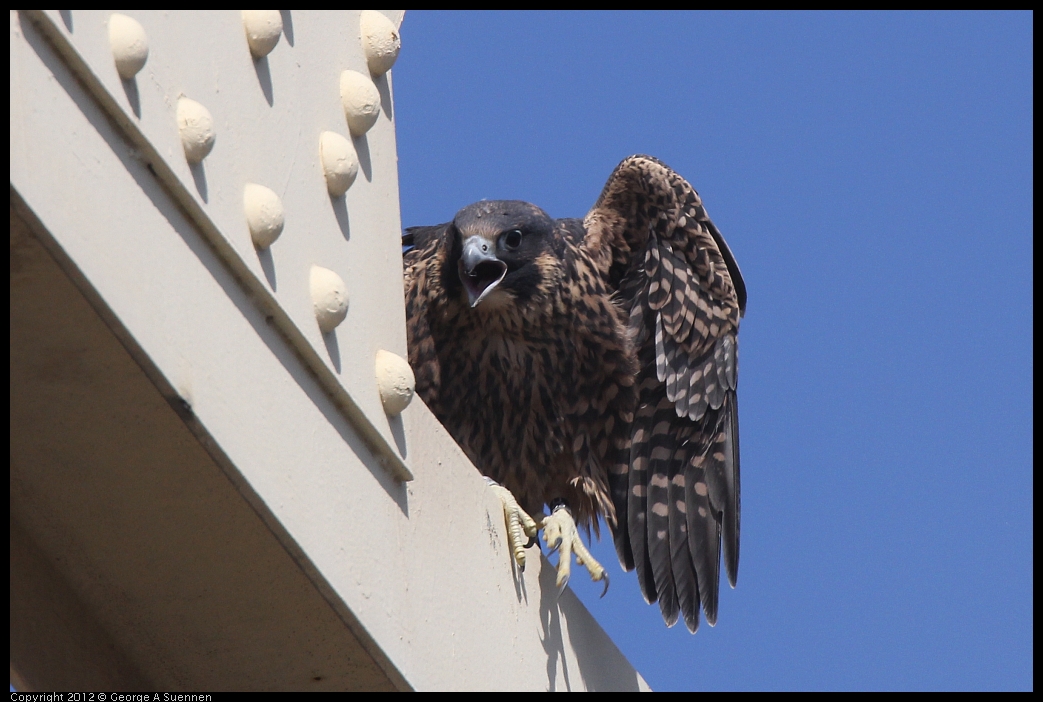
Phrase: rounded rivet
{"type": "Point", "coordinates": [340, 163]}
{"type": "Point", "coordinates": [380, 41]}
{"type": "Point", "coordinates": [395, 382]}
{"type": "Point", "coordinates": [129, 45]}
{"type": "Point", "coordinates": [330, 297]}
{"type": "Point", "coordinates": [197, 129]}
{"type": "Point", "coordinates": [264, 214]}
{"type": "Point", "coordinates": [361, 101]}
{"type": "Point", "coordinates": [263, 29]}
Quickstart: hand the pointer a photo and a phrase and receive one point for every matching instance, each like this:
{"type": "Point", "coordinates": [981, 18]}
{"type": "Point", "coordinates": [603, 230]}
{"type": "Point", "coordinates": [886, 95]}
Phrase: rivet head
{"type": "Point", "coordinates": [340, 163]}
{"type": "Point", "coordinates": [264, 214]}
{"type": "Point", "coordinates": [329, 295]}
{"type": "Point", "coordinates": [380, 41]}
{"type": "Point", "coordinates": [263, 29]}
{"type": "Point", "coordinates": [129, 45]}
{"type": "Point", "coordinates": [361, 101]}
{"type": "Point", "coordinates": [395, 382]}
{"type": "Point", "coordinates": [196, 127]}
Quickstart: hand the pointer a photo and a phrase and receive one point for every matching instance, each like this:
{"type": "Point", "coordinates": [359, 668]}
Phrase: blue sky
{"type": "Point", "coordinates": [873, 175]}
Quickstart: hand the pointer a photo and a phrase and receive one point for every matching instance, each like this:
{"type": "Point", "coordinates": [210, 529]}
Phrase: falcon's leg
{"type": "Point", "coordinates": [559, 530]}
{"type": "Point", "coordinates": [519, 523]}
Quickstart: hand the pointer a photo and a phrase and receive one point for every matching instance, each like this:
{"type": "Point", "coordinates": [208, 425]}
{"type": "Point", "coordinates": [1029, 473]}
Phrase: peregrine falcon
{"type": "Point", "coordinates": [590, 365]}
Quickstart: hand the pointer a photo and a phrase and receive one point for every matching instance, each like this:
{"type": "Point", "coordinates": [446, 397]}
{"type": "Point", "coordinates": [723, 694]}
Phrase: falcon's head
{"type": "Point", "coordinates": [495, 251]}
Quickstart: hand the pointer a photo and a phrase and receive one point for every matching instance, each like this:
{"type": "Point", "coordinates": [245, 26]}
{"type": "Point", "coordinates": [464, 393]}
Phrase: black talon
{"type": "Point", "coordinates": [532, 542]}
{"type": "Point", "coordinates": [603, 592]}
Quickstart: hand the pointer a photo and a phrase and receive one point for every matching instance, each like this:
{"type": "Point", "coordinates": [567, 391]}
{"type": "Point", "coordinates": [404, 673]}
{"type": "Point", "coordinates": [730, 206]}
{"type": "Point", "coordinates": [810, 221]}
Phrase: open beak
{"type": "Point", "coordinates": [480, 271]}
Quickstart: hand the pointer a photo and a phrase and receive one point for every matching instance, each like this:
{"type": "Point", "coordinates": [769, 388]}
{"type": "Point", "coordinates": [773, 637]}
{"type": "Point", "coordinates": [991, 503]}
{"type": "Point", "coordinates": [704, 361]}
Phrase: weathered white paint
{"type": "Point", "coordinates": [129, 45]}
{"type": "Point", "coordinates": [361, 101]}
{"type": "Point", "coordinates": [195, 124]}
{"type": "Point", "coordinates": [330, 296]}
{"type": "Point", "coordinates": [380, 41]}
{"type": "Point", "coordinates": [264, 214]}
{"type": "Point", "coordinates": [263, 30]}
{"type": "Point", "coordinates": [340, 164]}
{"type": "Point", "coordinates": [395, 381]}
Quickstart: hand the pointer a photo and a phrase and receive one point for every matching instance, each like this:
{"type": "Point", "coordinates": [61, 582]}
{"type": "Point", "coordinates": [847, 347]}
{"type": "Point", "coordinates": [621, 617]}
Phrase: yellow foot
{"type": "Point", "coordinates": [521, 528]}
{"type": "Point", "coordinates": [559, 531]}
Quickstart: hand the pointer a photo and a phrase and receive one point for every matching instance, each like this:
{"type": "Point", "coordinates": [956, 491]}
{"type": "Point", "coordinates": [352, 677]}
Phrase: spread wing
{"type": "Point", "coordinates": [678, 499]}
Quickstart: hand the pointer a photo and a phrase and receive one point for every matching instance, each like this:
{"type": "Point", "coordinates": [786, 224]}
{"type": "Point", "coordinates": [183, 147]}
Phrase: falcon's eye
{"type": "Point", "coordinates": [512, 239]}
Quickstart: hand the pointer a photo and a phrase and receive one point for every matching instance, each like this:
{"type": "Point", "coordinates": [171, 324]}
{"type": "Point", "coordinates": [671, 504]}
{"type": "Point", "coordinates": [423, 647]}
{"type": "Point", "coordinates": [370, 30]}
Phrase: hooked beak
{"type": "Point", "coordinates": [480, 271]}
